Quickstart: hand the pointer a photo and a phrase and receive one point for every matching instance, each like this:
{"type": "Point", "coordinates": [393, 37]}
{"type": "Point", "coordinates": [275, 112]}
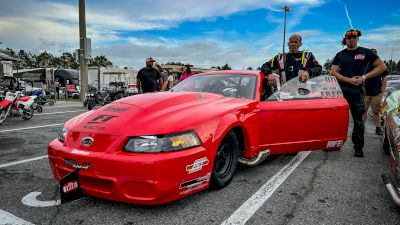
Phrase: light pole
{"type": "Point", "coordinates": [286, 9]}
{"type": "Point", "coordinates": [82, 50]}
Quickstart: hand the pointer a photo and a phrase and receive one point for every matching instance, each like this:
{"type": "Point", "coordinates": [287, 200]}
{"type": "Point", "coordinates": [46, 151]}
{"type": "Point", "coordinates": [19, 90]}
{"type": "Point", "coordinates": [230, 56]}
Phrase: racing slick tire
{"type": "Point", "coordinates": [27, 114]}
{"type": "Point", "coordinates": [51, 102]}
{"type": "Point", "coordinates": [225, 162]}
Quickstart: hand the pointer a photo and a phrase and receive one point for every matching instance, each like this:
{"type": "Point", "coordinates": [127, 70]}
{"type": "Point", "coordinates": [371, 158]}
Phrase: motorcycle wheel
{"type": "Point", "coordinates": [3, 115]}
{"type": "Point", "coordinates": [51, 102]}
{"type": "Point", "coordinates": [39, 109]}
{"type": "Point", "coordinates": [90, 104]}
{"type": "Point", "coordinates": [27, 114]}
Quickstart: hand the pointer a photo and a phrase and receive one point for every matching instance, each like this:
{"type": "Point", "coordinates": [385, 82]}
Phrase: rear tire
{"type": "Point", "coordinates": [225, 162]}
{"type": "Point", "coordinates": [51, 102]}
{"type": "Point", "coordinates": [27, 114]}
{"type": "Point", "coordinates": [39, 109]}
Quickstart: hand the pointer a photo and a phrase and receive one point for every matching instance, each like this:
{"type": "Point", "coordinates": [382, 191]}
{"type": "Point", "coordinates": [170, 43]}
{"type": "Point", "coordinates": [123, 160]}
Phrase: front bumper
{"type": "Point", "coordinates": [149, 179]}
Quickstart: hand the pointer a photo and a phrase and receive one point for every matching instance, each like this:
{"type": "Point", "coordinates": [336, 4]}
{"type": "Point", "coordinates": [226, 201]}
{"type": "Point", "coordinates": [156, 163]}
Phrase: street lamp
{"type": "Point", "coordinates": [286, 9]}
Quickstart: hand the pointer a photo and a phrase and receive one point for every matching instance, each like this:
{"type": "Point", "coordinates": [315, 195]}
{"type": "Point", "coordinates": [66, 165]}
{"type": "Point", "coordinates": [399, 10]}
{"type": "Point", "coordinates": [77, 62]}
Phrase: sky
{"type": "Point", "coordinates": [204, 33]}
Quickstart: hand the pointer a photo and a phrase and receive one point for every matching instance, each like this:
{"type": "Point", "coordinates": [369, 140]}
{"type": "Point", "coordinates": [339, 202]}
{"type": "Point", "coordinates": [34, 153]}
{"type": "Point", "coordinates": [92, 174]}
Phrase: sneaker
{"type": "Point", "coordinates": [358, 153]}
{"type": "Point", "coordinates": [379, 131]}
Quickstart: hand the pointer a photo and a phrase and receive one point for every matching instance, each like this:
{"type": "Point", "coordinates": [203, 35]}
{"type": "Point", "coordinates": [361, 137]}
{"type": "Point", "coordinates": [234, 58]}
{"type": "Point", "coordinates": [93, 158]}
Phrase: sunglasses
{"type": "Point", "coordinates": [351, 37]}
{"type": "Point", "coordinates": [352, 32]}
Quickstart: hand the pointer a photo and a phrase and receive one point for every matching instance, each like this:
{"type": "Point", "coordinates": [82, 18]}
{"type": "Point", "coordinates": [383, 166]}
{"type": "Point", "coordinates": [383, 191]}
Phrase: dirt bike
{"type": "Point", "coordinates": [14, 104]}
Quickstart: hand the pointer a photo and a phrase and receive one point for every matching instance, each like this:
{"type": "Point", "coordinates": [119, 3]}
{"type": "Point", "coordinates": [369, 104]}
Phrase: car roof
{"type": "Point", "coordinates": [244, 72]}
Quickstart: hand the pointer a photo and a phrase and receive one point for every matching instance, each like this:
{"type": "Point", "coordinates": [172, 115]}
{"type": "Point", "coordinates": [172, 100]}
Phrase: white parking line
{"type": "Point", "coordinates": [63, 106]}
{"type": "Point", "coordinates": [246, 211]}
{"type": "Point", "coordinates": [30, 200]}
{"type": "Point", "coordinates": [28, 128]}
{"type": "Point", "coordinates": [40, 114]}
{"type": "Point", "coordinates": [22, 161]}
{"type": "Point", "coordinates": [8, 218]}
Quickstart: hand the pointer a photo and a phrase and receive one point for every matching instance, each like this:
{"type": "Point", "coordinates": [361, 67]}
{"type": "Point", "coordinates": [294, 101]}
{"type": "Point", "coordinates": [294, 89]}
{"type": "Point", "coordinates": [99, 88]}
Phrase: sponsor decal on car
{"type": "Point", "coordinates": [197, 165]}
{"type": "Point", "coordinates": [89, 127]}
{"type": "Point", "coordinates": [101, 119]}
{"type": "Point", "coordinates": [87, 141]}
{"type": "Point", "coordinates": [76, 164]}
{"type": "Point", "coordinates": [80, 152]}
{"type": "Point", "coordinates": [115, 109]}
{"type": "Point", "coordinates": [334, 144]}
{"type": "Point", "coordinates": [195, 184]}
{"type": "Point", "coordinates": [70, 186]}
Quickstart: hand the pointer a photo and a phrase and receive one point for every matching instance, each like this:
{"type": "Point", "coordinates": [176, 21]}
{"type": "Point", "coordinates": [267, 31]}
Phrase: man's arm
{"type": "Point", "coordinates": [354, 80]}
{"type": "Point", "coordinates": [267, 68]}
{"type": "Point", "coordinates": [384, 84]}
{"type": "Point", "coordinates": [314, 68]}
{"type": "Point", "coordinates": [379, 67]}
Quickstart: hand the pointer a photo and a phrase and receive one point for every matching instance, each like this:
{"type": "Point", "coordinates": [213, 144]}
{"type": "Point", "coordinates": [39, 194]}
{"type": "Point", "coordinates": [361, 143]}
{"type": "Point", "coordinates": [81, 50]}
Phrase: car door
{"type": "Point", "coordinates": [315, 120]}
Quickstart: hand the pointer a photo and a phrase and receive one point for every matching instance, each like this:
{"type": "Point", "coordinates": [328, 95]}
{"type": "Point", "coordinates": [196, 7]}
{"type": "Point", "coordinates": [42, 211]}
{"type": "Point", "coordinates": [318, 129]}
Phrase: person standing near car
{"type": "Point", "coordinates": [187, 72]}
{"type": "Point", "coordinates": [296, 63]}
{"type": "Point", "coordinates": [169, 82]}
{"type": "Point", "coordinates": [374, 88]}
{"type": "Point", "coordinates": [148, 78]}
{"type": "Point", "coordinates": [57, 86]}
{"type": "Point", "coordinates": [350, 68]}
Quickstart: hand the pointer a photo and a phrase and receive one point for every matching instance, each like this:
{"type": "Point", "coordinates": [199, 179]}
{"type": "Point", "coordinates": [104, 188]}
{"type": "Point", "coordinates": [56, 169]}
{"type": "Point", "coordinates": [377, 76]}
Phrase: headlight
{"type": "Point", "coordinates": [91, 94]}
{"type": "Point", "coordinates": [162, 143]}
{"type": "Point", "coordinates": [62, 135]}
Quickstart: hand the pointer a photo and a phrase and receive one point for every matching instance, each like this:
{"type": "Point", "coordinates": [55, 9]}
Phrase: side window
{"type": "Point", "coordinates": [321, 87]}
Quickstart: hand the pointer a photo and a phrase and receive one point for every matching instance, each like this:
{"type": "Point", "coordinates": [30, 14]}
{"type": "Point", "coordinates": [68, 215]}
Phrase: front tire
{"type": "Point", "coordinates": [3, 115]}
{"type": "Point", "coordinates": [225, 162]}
{"type": "Point", "coordinates": [90, 104]}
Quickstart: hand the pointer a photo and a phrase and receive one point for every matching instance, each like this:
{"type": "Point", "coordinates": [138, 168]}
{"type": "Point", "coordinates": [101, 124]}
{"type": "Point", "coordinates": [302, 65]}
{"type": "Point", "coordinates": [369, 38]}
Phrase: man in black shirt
{"type": "Point", "coordinates": [350, 68]}
{"type": "Point", "coordinates": [374, 88]}
{"type": "Point", "coordinates": [296, 63]}
{"type": "Point", "coordinates": [148, 78]}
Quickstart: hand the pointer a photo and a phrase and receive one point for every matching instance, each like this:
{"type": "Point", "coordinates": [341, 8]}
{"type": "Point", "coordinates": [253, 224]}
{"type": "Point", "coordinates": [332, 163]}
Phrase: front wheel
{"type": "Point", "coordinates": [3, 115]}
{"type": "Point", "coordinates": [90, 104]}
{"type": "Point", "coordinates": [39, 109]}
{"type": "Point", "coordinates": [225, 162]}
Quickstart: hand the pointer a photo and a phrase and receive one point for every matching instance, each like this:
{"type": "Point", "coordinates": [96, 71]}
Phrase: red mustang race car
{"type": "Point", "coordinates": [158, 147]}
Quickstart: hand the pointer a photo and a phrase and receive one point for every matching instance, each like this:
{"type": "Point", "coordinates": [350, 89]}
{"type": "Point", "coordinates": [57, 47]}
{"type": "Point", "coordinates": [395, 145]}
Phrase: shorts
{"type": "Point", "coordinates": [374, 102]}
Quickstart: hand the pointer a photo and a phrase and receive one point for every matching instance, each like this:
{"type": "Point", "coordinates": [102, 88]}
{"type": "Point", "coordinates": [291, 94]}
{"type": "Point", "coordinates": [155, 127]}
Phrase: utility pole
{"type": "Point", "coordinates": [286, 9]}
{"type": "Point", "coordinates": [391, 63]}
{"type": "Point", "coordinates": [82, 35]}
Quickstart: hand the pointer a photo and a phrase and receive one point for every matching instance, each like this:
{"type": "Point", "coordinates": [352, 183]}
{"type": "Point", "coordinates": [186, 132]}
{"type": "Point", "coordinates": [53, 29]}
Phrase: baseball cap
{"type": "Point", "coordinates": [352, 32]}
{"type": "Point", "coordinates": [150, 59]}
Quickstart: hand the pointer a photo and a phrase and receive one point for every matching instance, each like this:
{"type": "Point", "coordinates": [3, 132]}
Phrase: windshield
{"type": "Point", "coordinates": [321, 87]}
{"type": "Point", "coordinates": [228, 85]}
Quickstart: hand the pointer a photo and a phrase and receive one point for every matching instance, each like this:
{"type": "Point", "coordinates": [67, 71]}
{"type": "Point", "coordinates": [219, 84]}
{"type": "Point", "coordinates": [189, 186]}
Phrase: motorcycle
{"type": "Point", "coordinates": [41, 98]}
{"type": "Point", "coordinates": [94, 98]}
{"type": "Point", "coordinates": [14, 104]}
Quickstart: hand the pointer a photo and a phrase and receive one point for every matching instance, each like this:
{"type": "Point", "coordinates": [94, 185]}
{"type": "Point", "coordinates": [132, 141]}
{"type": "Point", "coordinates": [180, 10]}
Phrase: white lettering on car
{"type": "Point", "coordinates": [80, 152]}
{"type": "Point", "coordinates": [70, 186]}
{"type": "Point", "coordinates": [197, 165]}
{"type": "Point", "coordinates": [334, 144]}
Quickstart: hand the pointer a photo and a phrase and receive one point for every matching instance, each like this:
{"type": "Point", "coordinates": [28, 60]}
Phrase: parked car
{"type": "Point", "coordinates": [391, 144]}
{"type": "Point", "coordinates": [158, 147]}
{"type": "Point", "coordinates": [132, 89]}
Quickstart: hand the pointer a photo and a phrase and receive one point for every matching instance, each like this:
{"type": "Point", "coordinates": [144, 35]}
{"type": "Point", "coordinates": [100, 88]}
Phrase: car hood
{"type": "Point", "coordinates": [155, 113]}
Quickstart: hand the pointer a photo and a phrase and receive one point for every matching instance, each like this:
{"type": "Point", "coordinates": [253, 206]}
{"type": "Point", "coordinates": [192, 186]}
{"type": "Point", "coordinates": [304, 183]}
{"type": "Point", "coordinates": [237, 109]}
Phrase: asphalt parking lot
{"type": "Point", "coordinates": [307, 188]}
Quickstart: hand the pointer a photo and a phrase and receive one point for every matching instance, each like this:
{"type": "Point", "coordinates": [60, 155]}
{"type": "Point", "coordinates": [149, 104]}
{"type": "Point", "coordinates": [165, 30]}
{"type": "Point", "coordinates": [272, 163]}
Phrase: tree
{"type": "Point", "coordinates": [27, 60]}
{"type": "Point", "coordinates": [67, 60]}
{"type": "Point", "coordinates": [226, 67]}
{"type": "Point", "coordinates": [327, 64]}
{"type": "Point", "coordinates": [44, 60]}
{"type": "Point", "coordinates": [101, 61]}
{"type": "Point", "coordinates": [249, 68]}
